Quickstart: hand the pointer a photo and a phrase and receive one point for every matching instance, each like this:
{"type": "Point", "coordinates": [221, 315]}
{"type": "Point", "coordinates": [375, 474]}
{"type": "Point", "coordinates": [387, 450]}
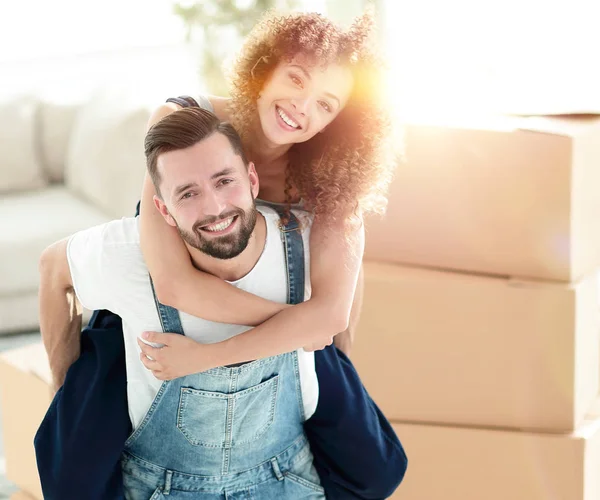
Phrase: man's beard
{"type": "Point", "coordinates": [227, 246]}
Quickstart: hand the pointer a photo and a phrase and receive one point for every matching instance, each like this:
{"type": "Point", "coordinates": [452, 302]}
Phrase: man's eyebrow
{"type": "Point", "coordinates": [221, 173]}
{"type": "Point", "coordinates": [225, 171]}
{"type": "Point", "coordinates": [184, 187]}
{"type": "Point", "coordinates": [308, 77]}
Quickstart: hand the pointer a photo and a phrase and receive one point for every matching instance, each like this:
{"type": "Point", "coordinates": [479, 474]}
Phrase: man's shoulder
{"type": "Point", "coordinates": [106, 262]}
{"type": "Point", "coordinates": [120, 237]}
{"type": "Point", "coordinates": [121, 232]}
{"type": "Point", "coordinates": [126, 230]}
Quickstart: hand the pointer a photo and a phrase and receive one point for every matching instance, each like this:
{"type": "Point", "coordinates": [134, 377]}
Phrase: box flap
{"type": "Point", "coordinates": [31, 359]}
{"type": "Point", "coordinates": [562, 125]}
{"type": "Point", "coordinates": [542, 98]}
{"type": "Point", "coordinates": [567, 125]}
{"type": "Point", "coordinates": [21, 495]}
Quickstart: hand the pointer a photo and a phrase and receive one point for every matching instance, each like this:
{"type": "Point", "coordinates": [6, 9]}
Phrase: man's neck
{"type": "Point", "coordinates": [238, 267]}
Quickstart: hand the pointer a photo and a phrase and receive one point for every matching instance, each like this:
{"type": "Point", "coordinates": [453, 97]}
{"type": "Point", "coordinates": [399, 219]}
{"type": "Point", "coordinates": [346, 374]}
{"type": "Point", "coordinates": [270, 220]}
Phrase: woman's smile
{"type": "Point", "coordinates": [285, 120]}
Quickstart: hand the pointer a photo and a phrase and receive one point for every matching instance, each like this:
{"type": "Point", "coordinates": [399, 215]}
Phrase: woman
{"type": "Point", "coordinates": [306, 101]}
{"type": "Point", "coordinates": [304, 98]}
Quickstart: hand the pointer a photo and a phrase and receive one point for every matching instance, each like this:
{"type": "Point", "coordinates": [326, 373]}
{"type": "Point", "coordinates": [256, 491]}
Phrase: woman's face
{"type": "Point", "coordinates": [300, 99]}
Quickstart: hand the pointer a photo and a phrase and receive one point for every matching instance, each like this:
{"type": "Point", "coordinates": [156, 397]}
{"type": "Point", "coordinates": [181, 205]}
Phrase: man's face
{"type": "Point", "coordinates": [208, 194]}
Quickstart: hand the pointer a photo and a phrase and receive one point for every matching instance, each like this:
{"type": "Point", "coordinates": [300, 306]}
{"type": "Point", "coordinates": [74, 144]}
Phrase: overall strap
{"type": "Point", "coordinates": [293, 245]}
{"type": "Point", "coordinates": [169, 316]}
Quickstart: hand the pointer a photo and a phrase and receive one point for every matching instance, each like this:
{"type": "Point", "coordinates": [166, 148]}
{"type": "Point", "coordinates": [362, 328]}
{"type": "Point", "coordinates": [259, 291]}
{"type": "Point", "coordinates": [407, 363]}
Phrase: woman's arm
{"type": "Point", "coordinates": [177, 282]}
{"type": "Point", "coordinates": [336, 257]}
{"type": "Point", "coordinates": [344, 340]}
{"type": "Point", "coordinates": [335, 261]}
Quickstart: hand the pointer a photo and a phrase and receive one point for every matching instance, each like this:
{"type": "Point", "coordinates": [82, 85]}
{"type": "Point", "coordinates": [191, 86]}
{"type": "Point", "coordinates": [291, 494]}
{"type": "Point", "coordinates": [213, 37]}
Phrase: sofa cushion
{"type": "Point", "coordinates": [20, 166]}
{"type": "Point", "coordinates": [30, 222]}
{"type": "Point", "coordinates": [19, 313]}
{"type": "Point", "coordinates": [56, 121]}
{"type": "Point", "coordinates": [105, 159]}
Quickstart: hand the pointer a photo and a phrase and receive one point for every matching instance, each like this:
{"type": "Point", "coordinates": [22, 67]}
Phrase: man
{"type": "Point", "coordinates": [228, 420]}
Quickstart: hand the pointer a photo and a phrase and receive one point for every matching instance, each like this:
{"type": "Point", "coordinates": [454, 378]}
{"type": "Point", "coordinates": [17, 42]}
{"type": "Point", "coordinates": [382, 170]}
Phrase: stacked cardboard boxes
{"type": "Point", "coordinates": [479, 331]}
{"type": "Point", "coordinates": [479, 334]}
{"type": "Point", "coordinates": [24, 398]}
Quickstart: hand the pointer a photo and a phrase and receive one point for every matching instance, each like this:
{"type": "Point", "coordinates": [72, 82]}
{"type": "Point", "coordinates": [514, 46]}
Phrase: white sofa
{"type": "Point", "coordinates": [71, 152]}
{"type": "Point", "coordinates": [63, 168]}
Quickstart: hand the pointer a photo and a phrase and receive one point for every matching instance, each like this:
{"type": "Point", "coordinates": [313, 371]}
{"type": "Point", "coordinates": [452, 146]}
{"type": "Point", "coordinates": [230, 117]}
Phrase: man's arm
{"type": "Point", "coordinates": [60, 312]}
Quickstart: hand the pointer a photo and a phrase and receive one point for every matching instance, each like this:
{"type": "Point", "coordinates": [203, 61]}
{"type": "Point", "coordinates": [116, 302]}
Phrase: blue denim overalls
{"type": "Point", "coordinates": [229, 432]}
{"type": "Point", "coordinates": [79, 444]}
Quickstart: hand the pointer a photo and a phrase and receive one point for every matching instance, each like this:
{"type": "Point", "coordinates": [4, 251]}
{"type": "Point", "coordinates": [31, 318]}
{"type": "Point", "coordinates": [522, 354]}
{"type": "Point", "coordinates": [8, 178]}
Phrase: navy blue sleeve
{"type": "Point", "coordinates": [79, 443]}
{"type": "Point", "coordinates": [185, 101]}
{"type": "Point", "coordinates": [356, 451]}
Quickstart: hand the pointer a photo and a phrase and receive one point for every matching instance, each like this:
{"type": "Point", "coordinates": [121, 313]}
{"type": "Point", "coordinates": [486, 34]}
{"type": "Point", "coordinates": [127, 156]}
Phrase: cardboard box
{"type": "Point", "coordinates": [515, 197]}
{"type": "Point", "coordinates": [453, 463]}
{"type": "Point", "coordinates": [25, 397]}
{"type": "Point", "coordinates": [460, 349]}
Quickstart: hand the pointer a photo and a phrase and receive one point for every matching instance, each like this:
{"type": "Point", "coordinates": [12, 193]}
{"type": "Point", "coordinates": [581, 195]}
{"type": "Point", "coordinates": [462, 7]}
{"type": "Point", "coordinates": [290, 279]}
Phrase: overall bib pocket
{"type": "Point", "coordinates": [224, 420]}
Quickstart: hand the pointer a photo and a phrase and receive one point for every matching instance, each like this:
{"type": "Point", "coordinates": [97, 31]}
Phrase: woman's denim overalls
{"type": "Point", "coordinates": [229, 432]}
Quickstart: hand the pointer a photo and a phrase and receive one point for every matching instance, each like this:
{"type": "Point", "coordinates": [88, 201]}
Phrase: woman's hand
{"type": "Point", "coordinates": [179, 355]}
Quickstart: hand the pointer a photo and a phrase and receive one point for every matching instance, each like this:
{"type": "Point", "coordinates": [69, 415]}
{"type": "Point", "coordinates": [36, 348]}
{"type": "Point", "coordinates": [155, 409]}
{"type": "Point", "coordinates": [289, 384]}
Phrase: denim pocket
{"type": "Point", "coordinates": [220, 420]}
{"type": "Point", "coordinates": [135, 488]}
{"type": "Point", "coordinates": [302, 472]}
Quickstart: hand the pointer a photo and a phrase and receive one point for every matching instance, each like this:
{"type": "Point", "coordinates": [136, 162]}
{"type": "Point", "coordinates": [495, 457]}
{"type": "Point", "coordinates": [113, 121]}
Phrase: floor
{"type": "Point", "coordinates": [10, 342]}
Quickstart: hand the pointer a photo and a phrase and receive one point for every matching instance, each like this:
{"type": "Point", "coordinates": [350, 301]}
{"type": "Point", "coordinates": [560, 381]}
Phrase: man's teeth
{"type": "Point", "coordinates": [221, 226]}
{"type": "Point", "coordinates": [287, 119]}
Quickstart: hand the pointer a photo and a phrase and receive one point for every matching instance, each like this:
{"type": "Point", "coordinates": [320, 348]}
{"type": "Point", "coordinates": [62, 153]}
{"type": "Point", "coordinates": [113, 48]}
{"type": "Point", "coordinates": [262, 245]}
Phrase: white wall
{"type": "Point", "coordinates": [495, 55]}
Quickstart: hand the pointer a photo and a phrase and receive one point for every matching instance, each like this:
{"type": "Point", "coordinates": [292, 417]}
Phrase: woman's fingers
{"type": "Point", "coordinates": [151, 364]}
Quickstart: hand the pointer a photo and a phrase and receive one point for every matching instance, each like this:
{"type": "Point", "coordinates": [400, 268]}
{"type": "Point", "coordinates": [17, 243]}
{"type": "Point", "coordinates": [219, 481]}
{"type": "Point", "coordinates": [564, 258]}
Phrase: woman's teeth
{"type": "Point", "coordinates": [287, 119]}
{"type": "Point", "coordinates": [221, 226]}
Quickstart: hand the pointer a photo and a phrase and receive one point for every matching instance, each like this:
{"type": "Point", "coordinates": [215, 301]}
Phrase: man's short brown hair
{"type": "Point", "coordinates": [182, 129]}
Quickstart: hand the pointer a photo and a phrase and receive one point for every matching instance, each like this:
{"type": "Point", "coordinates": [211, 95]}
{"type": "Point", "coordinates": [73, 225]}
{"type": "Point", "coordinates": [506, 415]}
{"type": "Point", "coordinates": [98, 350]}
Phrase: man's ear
{"type": "Point", "coordinates": [253, 178]}
{"type": "Point", "coordinates": [162, 208]}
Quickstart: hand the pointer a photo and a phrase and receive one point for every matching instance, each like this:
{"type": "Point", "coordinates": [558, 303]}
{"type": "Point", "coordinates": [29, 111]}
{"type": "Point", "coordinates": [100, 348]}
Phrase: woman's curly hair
{"type": "Point", "coordinates": [346, 169]}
